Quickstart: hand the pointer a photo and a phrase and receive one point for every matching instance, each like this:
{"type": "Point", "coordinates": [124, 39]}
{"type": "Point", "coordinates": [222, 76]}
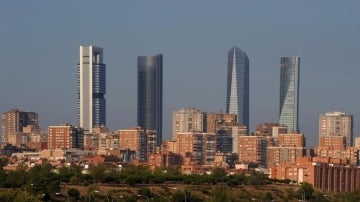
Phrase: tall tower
{"type": "Point", "coordinates": [289, 93]}
{"type": "Point", "coordinates": [337, 124]}
{"type": "Point", "coordinates": [91, 88]}
{"type": "Point", "coordinates": [237, 98]}
{"type": "Point", "coordinates": [149, 101]}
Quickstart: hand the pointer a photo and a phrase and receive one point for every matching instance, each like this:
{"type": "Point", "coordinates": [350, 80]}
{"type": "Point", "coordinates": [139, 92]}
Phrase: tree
{"type": "Point", "coordinates": [97, 172]}
{"type": "Point", "coordinates": [220, 194]}
{"type": "Point", "coordinates": [307, 189]}
{"type": "Point", "coordinates": [73, 193]}
{"type": "Point", "coordinates": [268, 197]}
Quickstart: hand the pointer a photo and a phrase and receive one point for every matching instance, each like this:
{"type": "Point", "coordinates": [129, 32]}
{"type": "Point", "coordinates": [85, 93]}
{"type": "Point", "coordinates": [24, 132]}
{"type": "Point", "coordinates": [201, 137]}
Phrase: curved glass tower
{"type": "Point", "coordinates": [289, 92]}
{"type": "Point", "coordinates": [91, 88]}
{"type": "Point", "coordinates": [237, 98]}
{"type": "Point", "coordinates": [149, 102]}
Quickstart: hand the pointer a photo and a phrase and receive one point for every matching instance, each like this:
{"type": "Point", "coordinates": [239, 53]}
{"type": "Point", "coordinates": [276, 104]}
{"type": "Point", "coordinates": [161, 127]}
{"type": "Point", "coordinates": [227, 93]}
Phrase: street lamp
{"type": "Point", "coordinates": [175, 188]}
{"type": "Point", "coordinates": [147, 198]}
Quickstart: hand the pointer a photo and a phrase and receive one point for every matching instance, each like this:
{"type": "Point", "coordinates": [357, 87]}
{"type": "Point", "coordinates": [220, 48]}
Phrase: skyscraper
{"type": "Point", "coordinates": [91, 88]}
{"type": "Point", "coordinates": [289, 93]}
{"type": "Point", "coordinates": [337, 124]}
{"type": "Point", "coordinates": [237, 99]}
{"type": "Point", "coordinates": [149, 102]}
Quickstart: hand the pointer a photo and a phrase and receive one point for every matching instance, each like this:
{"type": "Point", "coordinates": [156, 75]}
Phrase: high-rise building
{"type": "Point", "coordinates": [134, 140]}
{"type": "Point", "coordinates": [188, 120]}
{"type": "Point", "coordinates": [289, 93]}
{"type": "Point", "coordinates": [91, 88]}
{"type": "Point", "coordinates": [215, 121]}
{"type": "Point", "coordinates": [65, 137]}
{"type": "Point", "coordinates": [237, 99]}
{"type": "Point", "coordinates": [337, 124]}
{"type": "Point", "coordinates": [14, 120]}
{"type": "Point", "coordinates": [149, 98]}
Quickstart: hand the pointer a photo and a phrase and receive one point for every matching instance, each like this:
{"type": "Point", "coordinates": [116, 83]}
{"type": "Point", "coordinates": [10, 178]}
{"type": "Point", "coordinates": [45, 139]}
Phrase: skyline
{"type": "Point", "coordinates": [40, 52]}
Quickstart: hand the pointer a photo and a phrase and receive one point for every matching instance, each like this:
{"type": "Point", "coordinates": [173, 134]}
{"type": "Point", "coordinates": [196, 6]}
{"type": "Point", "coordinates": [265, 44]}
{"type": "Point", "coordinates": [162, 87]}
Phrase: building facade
{"type": "Point", "coordinates": [237, 98]}
{"type": "Point", "coordinates": [188, 120]}
{"type": "Point", "coordinates": [14, 120]}
{"type": "Point", "coordinates": [337, 124]}
{"type": "Point", "coordinates": [149, 94]}
{"type": "Point", "coordinates": [91, 88]}
{"type": "Point", "coordinates": [289, 93]}
{"type": "Point", "coordinates": [65, 137]}
{"type": "Point", "coordinates": [134, 141]}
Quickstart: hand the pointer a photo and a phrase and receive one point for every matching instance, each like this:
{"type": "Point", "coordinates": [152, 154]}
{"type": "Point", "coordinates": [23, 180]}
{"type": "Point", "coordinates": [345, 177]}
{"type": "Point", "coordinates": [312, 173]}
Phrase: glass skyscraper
{"type": "Point", "coordinates": [237, 98]}
{"type": "Point", "coordinates": [289, 92]}
{"type": "Point", "coordinates": [149, 102]}
{"type": "Point", "coordinates": [91, 88]}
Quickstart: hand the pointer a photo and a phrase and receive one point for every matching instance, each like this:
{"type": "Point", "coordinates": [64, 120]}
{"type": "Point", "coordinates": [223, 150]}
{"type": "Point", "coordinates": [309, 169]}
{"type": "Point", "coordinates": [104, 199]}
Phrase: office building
{"type": "Point", "coordinates": [14, 120]}
{"type": "Point", "coordinates": [91, 88]}
{"type": "Point", "coordinates": [133, 141]}
{"type": "Point", "coordinates": [237, 98]}
{"type": "Point", "coordinates": [149, 94]}
{"type": "Point", "coordinates": [337, 124]}
{"type": "Point", "coordinates": [188, 120]}
{"type": "Point", "coordinates": [289, 93]}
{"type": "Point", "coordinates": [65, 137]}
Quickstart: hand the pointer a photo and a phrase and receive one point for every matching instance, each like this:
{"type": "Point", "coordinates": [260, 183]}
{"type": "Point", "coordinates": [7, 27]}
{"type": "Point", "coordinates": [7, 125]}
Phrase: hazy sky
{"type": "Point", "coordinates": [39, 50]}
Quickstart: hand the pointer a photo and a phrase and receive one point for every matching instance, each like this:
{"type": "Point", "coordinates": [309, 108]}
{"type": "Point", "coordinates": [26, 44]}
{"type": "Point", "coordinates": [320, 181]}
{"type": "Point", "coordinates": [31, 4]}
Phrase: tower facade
{"type": "Point", "coordinates": [188, 120]}
{"type": "Point", "coordinates": [91, 88]}
{"type": "Point", "coordinates": [237, 99]}
{"type": "Point", "coordinates": [289, 93]}
{"type": "Point", "coordinates": [337, 124]}
{"type": "Point", "coordinates": [149, 94]}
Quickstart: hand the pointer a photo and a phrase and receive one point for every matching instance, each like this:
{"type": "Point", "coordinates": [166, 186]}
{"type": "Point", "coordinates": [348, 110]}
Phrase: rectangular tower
{"type": "Point", "coordinates": [237, 98]}
{"type": "Point", "coordinates": [91, 88]}
{"type": "Point", "coordinates": [337, 124]}
{"type": "Point", "coordinates": [289, 93]}
{"type": "Point", "coordinates": [149, 94]}
{"type": "Point", "coordinates": [188, 120]}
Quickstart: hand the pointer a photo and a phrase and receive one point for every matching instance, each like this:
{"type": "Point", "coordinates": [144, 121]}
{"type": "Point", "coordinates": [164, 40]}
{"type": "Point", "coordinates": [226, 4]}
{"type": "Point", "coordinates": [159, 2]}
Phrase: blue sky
{"type": "Point", "coordinates": [40, 41]}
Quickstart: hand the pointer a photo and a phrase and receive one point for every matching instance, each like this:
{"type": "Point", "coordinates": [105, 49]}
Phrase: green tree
{"type": "Point", "coordinates": [307, 189]}
{"type": "Point", "coordinates": [97, 172]}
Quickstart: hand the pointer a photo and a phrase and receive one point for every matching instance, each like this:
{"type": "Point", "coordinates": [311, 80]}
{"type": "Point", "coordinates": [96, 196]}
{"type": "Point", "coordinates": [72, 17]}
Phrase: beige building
{"type": "Point", "coordinates": [270, 129]}
{"type": "Point", "coordinates": [14, 120]}
{"type": "Point", "coordinates": [290, 147]}
{"type": "Point", "coordinates": [337, 124]}
{"type": "Point", "coordinates": [216, 121]}
{"type": "Point", "coordinates": [188, 120]}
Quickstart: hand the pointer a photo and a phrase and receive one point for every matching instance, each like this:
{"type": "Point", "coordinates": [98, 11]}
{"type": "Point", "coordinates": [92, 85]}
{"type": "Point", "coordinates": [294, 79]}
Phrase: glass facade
{"type": "Point", "coordinates": [149, 102]}
{"type": "Point", "coordinates": [237, 99]}
{"type": "Point", "coordinates": [289, 92]}
{"type": "Point", "coordinates": [91, 88]}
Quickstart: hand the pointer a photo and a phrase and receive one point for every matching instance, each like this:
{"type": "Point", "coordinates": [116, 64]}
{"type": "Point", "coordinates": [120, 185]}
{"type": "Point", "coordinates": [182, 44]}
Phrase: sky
{"type": "Point", "coordinates": [39, 52]}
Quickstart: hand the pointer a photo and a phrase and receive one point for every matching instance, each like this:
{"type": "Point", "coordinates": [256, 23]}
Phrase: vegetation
{"type": "Point", "coordinates": [42, 183]}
